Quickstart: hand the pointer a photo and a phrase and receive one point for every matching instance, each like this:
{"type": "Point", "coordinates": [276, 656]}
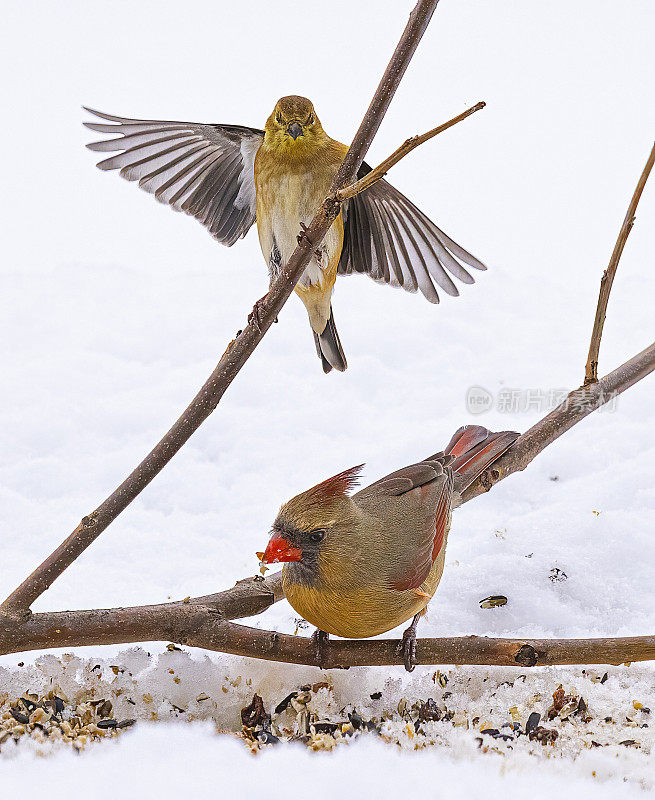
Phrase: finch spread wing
{"type": "Point", "coordinates": [419, 498]}
{"type": "Point", "coordinates": [388, 238]}
{"type": "Point", "coordinates": [206, 171]}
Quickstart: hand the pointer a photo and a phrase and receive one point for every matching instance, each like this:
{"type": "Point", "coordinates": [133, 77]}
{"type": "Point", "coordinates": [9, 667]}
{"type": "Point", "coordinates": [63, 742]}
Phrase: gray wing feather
{"type": "Point", "coordinates": [206, 171]}
{"type": "Point", "coordinates": [413, 505]}
{"type": "Point", "coordinates": [391, 240]}
{"type": "Point", "coordinates": [404, 480]}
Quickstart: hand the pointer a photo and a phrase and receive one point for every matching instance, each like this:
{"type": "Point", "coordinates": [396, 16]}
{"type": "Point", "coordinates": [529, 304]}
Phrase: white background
{"type": "Point", "coordinates": [114, 310]}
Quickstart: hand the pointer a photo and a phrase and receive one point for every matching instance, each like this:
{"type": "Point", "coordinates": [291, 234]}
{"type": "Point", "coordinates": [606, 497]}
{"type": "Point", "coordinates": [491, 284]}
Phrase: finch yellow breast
{"type": "Point", "coordinates": [294, 169]}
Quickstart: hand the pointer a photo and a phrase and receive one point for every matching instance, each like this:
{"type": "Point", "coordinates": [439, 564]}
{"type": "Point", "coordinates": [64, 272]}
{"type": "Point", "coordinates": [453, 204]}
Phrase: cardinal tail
{"type": "Point", "coordinates": [475, 448]}
{"type": "Point", "coordinates": [328, 347]}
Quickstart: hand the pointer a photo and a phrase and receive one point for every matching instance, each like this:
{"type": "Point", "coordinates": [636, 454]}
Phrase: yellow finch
{"type": "Point", "coordinates": [228, 176]}
{"type": "Point", "coordinates": [360, 565]}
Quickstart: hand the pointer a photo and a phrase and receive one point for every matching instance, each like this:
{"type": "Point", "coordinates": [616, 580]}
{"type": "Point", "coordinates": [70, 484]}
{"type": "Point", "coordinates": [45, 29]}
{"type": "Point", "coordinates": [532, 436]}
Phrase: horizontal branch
{"type": "Point", "coordinates": [405, 148]}
{"type": "Point", "coordinates": [341, 654]}
{"type": "Point", "coordinates": [198, 625]}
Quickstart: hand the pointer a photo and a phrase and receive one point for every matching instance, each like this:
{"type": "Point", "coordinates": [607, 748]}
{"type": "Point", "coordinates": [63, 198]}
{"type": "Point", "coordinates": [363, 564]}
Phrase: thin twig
{"type": "Point", "coordinates": [406, 147]}
{"type": "Point", "coordinates": [18, 603]}
{"type": "Point", "coordinates": [205, 621]}
{"type": "Point", "coordinates": [591, 368]}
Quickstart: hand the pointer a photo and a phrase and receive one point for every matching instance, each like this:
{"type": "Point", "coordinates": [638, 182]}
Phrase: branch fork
{"type": "Point", "coordinates": [591, 368]}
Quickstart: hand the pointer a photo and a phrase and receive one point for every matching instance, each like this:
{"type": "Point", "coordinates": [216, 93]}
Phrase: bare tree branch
{"type": "Point", "coordinates": [205, 621]}
{"type": "Point", "coordinates": [198, 625]}
{"type": "Point", "coordinates": [341, 654]}
{"type": "Point", "coordinates": [405, 148]}
{"type": "Point", "coordinates": [578, 405]}
{"type": "Point", "coordinates": [591, 369]}
{"type": "Point", "coordinates": [241, 348]}
{"type": "Point", "coordinates": [165, 621]}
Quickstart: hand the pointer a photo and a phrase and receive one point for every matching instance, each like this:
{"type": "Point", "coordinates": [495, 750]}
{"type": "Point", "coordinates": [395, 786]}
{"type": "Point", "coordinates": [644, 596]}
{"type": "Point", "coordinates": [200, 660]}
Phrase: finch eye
{"type": "Point", "coordinates": [317, 536]}
{"type": "Point", "coordinates": [310, 121]}
{"type": "Point", "coordinates": [278, 118]}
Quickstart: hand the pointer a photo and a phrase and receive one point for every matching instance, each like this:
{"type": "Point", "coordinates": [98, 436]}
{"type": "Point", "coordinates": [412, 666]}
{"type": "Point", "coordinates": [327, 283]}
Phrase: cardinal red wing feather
{"type": "Point", "coordinates": [441, 519]}
{"type": "Point", "coordinates": [417, 568]}
{"type": "Point", "coordinates": [413, 578]}
{"type": "Point", "coordinates": [466, 438]}
{"type": "Point", "coordinates": [473, 448]}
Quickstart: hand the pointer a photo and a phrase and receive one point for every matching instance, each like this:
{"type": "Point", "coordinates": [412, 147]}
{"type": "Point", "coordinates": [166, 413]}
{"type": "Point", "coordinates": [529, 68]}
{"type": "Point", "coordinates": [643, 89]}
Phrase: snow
{"type": "Point", "coordinates": [113, 311]}
{"type": "Point", "coordinates": [169, 759]}
{"type": "Point", "coordinates": [610, 739]}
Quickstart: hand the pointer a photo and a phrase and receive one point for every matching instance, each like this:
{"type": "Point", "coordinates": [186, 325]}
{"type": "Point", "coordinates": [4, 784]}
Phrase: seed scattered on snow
{"type": "Point", "coordinates": [533, 722]}
{"type": "Point", "coordinates": [494, 601]}
{"type": "Point", "coordinates": [48, 718]}
{"type": "Point", "coordinates": [78, 703]}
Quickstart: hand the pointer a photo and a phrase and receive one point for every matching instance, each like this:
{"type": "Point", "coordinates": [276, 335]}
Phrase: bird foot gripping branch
{"type": "Point", "coordinates": [407, 645]}
{"type": "Point", "coordinates": [258, 313]}
{"type": "Point", "coordinates": [321, 641]}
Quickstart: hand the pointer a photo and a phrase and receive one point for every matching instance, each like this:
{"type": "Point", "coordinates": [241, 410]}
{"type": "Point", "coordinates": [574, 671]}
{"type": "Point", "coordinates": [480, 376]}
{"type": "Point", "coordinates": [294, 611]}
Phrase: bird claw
{"type": "Point", "coordinates": [321, 643]}
{"type": "Point", "coordinates": [303, 233]}
{"type": "Point", "coordinates": [256, 315]}
{"type": "Point", "coordinates": [407, 648]}
{"type": "Point", "coordinates": [318, 255]}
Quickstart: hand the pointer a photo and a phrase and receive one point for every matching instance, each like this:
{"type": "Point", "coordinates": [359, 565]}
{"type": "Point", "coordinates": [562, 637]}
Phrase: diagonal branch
{"type": "Point", "coordinates": [405, 148]}
{"type": "Point", "coordinates": [17, 605]}
{"type": "Point", "coordinates": [205, 621]}
{"type": "Point", "coordinates": [591, 369]}
{"type": "Point", "coordinates": [578, 405]}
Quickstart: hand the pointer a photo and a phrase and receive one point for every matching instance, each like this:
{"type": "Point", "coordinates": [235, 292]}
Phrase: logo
{"type": "Point", "coordinates": [478, 400]}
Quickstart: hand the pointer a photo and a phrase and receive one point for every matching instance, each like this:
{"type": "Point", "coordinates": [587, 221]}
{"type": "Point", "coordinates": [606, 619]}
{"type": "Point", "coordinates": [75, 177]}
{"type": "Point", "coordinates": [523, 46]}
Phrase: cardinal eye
{"type": "Point", "coordinates": [317, 536]}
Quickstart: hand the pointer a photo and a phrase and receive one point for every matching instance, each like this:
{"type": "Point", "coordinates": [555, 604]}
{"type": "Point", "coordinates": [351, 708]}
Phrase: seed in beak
{"type": "Point", "coordinates": [280, 550]}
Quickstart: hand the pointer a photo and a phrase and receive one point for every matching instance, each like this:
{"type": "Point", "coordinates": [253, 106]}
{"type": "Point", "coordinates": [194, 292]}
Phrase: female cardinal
{"type": "Point", "coordinates": [228, 176]}
{"type": "Point", "coordinates": [359, 565]}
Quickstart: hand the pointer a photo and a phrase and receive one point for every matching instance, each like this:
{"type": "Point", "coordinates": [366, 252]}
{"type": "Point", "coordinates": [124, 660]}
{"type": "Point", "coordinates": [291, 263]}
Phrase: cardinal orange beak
{"type": "Point", "coordinates": [279, 550]}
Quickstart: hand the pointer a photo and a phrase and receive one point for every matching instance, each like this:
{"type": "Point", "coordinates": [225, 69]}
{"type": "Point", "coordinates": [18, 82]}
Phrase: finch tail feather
{"type": "Point", "coordinates": [328, 347]}
{"type": "Point", "coordinates": [327, 367]}
{"type": "Point", "coordinates": [474, 449]}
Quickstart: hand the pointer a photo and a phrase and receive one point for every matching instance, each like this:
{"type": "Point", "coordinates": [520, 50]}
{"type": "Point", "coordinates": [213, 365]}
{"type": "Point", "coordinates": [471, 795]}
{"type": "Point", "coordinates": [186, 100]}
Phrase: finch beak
{"type": "Point", "coordinates": [279, 550]}
{"type": "Point", "coordinates": [294, 130]}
